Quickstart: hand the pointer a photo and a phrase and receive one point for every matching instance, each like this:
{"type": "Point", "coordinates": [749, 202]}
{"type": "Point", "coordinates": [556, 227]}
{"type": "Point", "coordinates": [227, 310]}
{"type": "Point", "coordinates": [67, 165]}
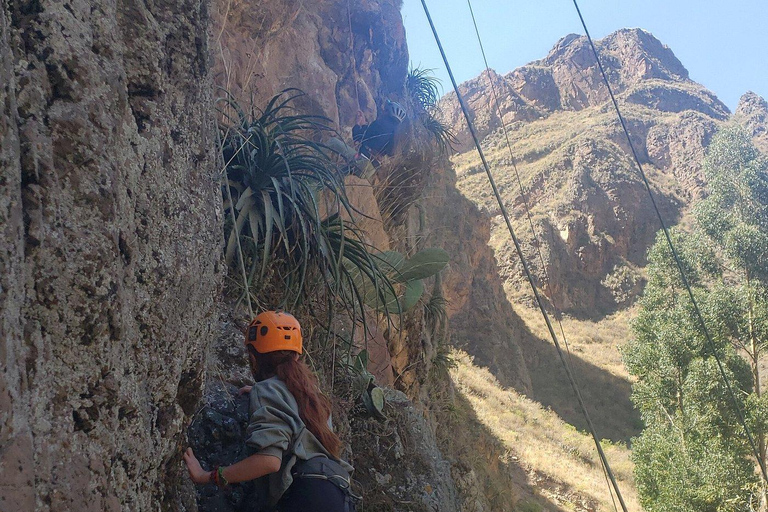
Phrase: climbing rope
{"type": "Point", "coordinates": [520, 254]}
{"type": "Point", "coordinates": [352, 53]}
{"type": "Point", "coordinates": [675, 256]}
{"type": "Point", "coordinates": [536, 240]}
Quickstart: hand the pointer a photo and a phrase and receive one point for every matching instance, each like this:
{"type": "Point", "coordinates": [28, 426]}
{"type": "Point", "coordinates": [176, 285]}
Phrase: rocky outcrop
{"type": "Point", "coordinates": [399, 464]}
{"type": "Point", "coordinates": [589, 204]}
{"type": "Point", "coordinates": [479, 94]}
{"type": "Point", "coordinates": [638, 66]}
{"type": "Point", "coordinates": [679, 146]}
{"type": "Point", "coordinates": [752, 112]}
{"type": "Point", "coordinates": [630, 56]}
{"type": "Point", "coordinates": [261, 48]}
{"type": "Point", "coordinates": [109, 253]}
{"type": "Point", "coordinates": [483, 322]}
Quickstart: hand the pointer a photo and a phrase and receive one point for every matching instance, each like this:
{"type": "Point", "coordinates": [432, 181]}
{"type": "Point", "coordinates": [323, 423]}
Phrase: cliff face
{"type": "Point", "coordinates": [261, 48]}
{"type": "Point", "coordinates": [588, 203]}
{"type": "Point", "coordinates": [109, 249]}
{"type": "Point", "coordinates": [483, 322]}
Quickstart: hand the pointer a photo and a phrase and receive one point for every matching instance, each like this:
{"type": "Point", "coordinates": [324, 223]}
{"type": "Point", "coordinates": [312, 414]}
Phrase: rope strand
{"type": "Point", "coordinates": [520, 254]}
{"type": "Point", "coordinates": [352, 53]}
{"type": "Point", "coordinates": [536, 241]}
{"type": "Point", "coordinates": [675, 256]}
{"type": "Point", "coordinates": [224, 181]}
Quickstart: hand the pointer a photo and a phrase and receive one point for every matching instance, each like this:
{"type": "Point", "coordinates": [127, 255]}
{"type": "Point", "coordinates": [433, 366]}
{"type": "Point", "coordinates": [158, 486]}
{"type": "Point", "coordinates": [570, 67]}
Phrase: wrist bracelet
{"type": "Point", "coordinates": [221, 480]}
{"type": "Point", "coordinates": [212, 475]}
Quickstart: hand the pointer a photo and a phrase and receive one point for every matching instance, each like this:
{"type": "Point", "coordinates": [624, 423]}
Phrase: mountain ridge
{"type": "Point", "coordinates": [587, 200]}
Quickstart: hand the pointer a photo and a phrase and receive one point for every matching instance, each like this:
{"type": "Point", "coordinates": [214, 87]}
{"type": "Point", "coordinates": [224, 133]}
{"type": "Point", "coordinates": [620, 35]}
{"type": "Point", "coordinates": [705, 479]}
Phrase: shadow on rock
{"type": "Point", "coordinates": [217, 436]}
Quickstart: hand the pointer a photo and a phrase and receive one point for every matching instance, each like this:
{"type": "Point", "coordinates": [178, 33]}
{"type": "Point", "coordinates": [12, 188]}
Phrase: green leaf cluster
{"type": "Point", "coordinates": [407, 273]}
{"type": "Point", "coordinates": [423, 94]}
{"type": "Point", "coordinates": [694, 453]}
{"type": "Point", "coordinates": [288, 200]}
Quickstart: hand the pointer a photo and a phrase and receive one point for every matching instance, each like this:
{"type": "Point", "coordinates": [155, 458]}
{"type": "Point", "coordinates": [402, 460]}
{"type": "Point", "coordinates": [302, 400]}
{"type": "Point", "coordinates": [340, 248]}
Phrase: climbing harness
{"type": "Point", "coordinates": [323, 468]}
{"type": "Point", "coordinates": [536, 241]}
{"type": "Point", "coordinates": [520, 254]}
{"type": "Point", "coordinates": [675, 256]}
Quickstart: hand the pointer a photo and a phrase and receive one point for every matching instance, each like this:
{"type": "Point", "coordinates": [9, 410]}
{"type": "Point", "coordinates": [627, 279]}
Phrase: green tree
{"type": "Point", "coordinates": [693, 454]}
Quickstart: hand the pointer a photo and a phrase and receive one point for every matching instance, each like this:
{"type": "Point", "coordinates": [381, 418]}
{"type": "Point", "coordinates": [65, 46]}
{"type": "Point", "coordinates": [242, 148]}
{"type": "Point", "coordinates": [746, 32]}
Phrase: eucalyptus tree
{"type": "Point", "coordinates": [694, 454]}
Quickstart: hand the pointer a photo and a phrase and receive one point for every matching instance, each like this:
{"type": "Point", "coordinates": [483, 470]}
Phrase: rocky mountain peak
{"type": "Point", "coordinates": [636, 53]}
{"type": "Point", "coordinates": [573, 156]}
{"type": "Point", "coordinates": [630, 57]}
{"type": "Point", "coordinates": [641, 69]}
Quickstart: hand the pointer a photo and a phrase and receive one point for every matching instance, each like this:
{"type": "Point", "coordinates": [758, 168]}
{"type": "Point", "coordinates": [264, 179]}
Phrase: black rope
{"type": "Point", "coordinates": [536, 239]}
{"type": "Point", "coordinates": [520, 183]}
{"type": "Point", "coordinates": [760, 461]}
{"type": "Point", "coordinates": [520, 254]}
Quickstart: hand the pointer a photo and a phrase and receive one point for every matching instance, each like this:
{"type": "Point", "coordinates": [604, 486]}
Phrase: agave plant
{"type": "Point", "coordinates": [406, 273]}
{"type": "Point", "coordinates": [277, 174]}
{"type": "Point", "coordinates": [423, 94]}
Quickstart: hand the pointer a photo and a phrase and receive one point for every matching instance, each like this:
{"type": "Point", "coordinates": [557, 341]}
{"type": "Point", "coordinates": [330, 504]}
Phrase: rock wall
{"type": "Point", "coordinates": [261, 48]}
{"type": "Point", "coordinates": [109, 256]}
{"type": "Point", "coordinates": [483, 322]}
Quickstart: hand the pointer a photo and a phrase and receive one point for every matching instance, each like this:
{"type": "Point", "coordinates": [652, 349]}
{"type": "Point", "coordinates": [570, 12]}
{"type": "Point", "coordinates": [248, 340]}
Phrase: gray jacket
{"type": "Point", "coordinates": [275, 428]}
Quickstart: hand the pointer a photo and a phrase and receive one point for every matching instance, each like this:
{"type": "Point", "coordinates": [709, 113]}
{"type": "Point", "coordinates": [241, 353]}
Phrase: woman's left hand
{"type": "Point", "coordinates": [196, 471]}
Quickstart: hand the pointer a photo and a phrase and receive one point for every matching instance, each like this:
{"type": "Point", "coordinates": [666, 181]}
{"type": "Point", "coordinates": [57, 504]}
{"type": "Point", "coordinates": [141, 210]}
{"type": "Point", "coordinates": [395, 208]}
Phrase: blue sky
{"type": "Point", "coordinates": [724, 45]}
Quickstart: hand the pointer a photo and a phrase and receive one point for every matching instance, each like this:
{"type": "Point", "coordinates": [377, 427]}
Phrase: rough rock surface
{"type": "Point", "coordinates": [479, 93]}
{"type": "Point", "coordinates": [110, 229]}
{"type": "Point", "coordinates": [752, 112]}
{"type": "Point", "coordinates": [216, 435]}
{"type": "Point", "coordinates": [482, 320]}
{"type": "Point", "coordinates": [264, 47]}
{"type": "Point", "coordinates": [399, 464]}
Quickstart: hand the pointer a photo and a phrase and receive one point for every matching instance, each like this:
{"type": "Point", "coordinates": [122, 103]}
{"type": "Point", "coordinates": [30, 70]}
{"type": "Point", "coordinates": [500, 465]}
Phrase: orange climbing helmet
{"type": "Point", "coordinates": [271, 331]}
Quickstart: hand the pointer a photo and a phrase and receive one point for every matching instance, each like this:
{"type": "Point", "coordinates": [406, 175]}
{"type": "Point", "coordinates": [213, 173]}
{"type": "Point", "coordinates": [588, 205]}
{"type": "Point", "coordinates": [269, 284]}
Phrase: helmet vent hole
{"type": "Point", "coordinates": [288, 336]}
{"type": "Point", "coordinates": [264, 330]}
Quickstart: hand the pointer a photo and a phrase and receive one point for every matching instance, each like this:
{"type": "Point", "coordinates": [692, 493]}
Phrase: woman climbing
{"type": "Point", "coordinates": [373, 142]}
{"type": "Point", "coordinates": [289, 428]}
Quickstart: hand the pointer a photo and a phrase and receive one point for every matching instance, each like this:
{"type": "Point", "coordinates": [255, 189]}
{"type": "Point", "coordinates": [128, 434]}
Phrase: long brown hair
{"type": "Point", "coordinates": [314, 407]}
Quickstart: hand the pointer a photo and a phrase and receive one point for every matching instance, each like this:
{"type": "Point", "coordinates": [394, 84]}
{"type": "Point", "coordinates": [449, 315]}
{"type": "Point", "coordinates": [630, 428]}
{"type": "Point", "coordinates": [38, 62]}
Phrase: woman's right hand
{"type": "Point", "coordinates": [243, 390]}
{"type": "Point", "coordinates": [196, 471]}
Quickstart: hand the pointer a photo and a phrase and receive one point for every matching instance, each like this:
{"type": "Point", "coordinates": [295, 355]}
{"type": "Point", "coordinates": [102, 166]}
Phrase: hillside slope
{"type": "Point", "coordinates": [590, 209]}
{"type": "Point", "coordinates": [587, 201]}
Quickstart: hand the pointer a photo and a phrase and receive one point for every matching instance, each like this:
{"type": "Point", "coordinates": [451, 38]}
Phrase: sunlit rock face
{"type": "Point", "coordinates": [589, 204]}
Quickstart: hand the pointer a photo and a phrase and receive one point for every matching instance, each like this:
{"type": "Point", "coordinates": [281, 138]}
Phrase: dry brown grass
{"type": "Point", "coordinates": [560, 462]}
{"type": "Point", "coordinates": [595, 342]}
